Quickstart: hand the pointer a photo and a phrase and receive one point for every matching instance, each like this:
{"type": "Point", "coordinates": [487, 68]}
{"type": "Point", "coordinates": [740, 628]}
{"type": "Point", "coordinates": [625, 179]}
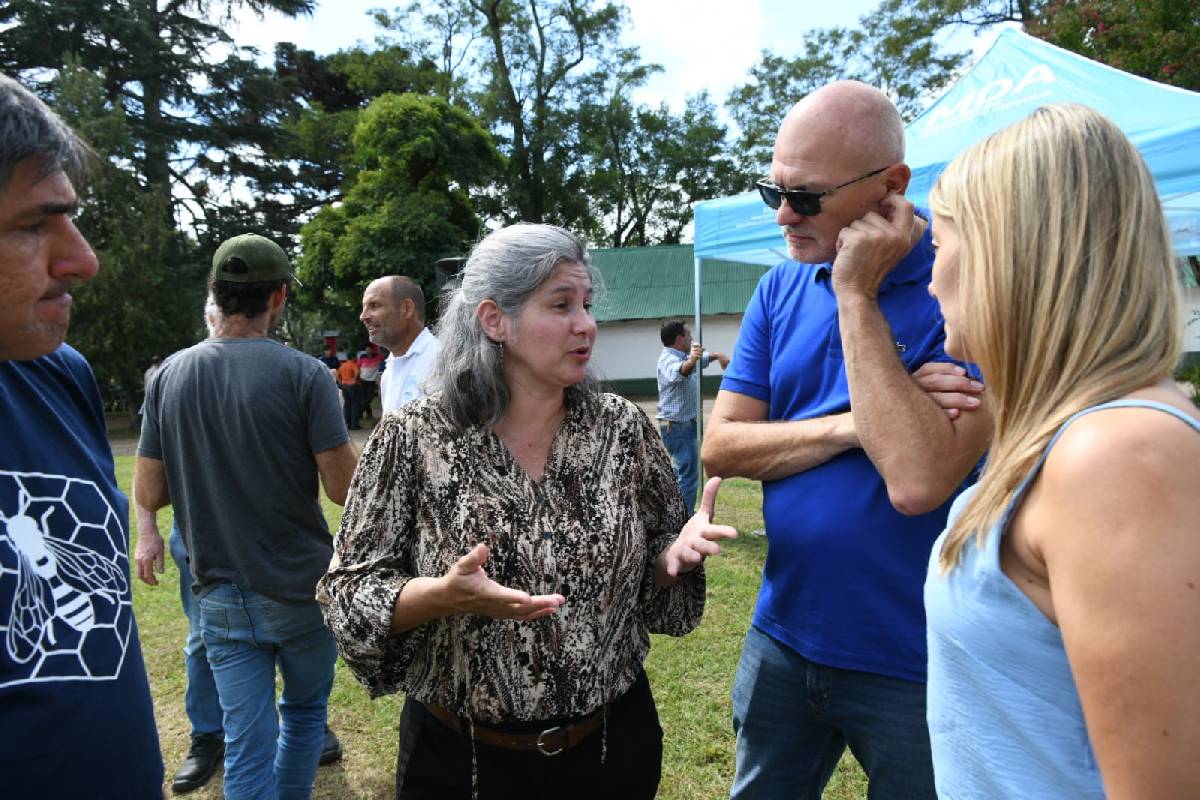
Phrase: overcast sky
{"type": "Point", "coordinates": [702, 44]}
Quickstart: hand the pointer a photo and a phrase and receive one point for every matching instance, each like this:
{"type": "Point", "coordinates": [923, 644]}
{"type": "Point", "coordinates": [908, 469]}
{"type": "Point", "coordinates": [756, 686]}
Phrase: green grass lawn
{"type": "Point", "coordinates": [691, 678]}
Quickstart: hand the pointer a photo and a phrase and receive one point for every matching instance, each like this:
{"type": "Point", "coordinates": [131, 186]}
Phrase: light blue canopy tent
{"type": "Point", "coordinates": [1017, 75]}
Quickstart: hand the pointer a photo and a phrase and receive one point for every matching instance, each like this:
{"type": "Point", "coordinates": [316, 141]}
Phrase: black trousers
{"type": "Point", "coordinates": [350, 410]}
{"type": "Point", "coordinates": [435, 762]}
{"type": "Point", "coordinates": [366, 395]}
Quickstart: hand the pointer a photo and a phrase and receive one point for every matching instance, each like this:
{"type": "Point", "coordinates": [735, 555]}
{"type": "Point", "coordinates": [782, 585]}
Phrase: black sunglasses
{"type": "Point", "coordinates": [806, 204]}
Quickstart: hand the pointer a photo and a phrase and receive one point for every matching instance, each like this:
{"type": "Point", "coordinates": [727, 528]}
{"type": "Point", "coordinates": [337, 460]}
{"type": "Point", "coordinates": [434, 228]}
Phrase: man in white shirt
{"type": "Point", "coordinates": [393, 310]}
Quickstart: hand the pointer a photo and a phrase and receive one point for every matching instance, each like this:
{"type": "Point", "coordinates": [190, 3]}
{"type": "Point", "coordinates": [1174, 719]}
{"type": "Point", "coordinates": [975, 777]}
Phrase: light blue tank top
{"type": "Point", "coordinates": [1004, 716]}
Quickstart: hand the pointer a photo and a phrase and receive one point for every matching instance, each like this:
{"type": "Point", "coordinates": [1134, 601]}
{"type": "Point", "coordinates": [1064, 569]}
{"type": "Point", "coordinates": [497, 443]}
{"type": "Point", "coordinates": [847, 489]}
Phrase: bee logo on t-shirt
{"type": "Point", "coordinates": [64, 587]}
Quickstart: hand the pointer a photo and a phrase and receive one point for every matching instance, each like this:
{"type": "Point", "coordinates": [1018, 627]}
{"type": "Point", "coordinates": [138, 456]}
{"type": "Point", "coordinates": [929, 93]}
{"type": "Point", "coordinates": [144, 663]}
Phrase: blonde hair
{"type": "Point", "coordinates": [1068, 293]}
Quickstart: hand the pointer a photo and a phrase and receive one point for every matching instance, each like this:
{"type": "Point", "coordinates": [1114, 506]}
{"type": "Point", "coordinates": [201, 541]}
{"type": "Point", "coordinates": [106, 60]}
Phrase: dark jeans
{"type": "Point", "coordinates": [350, 412]}
{"type": "Point", "coordinates": [435, 762]}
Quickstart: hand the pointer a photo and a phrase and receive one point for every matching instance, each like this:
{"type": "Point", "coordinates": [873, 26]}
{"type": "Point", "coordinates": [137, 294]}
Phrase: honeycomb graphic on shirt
{"type": "Point", "coordinates": [65, 608]}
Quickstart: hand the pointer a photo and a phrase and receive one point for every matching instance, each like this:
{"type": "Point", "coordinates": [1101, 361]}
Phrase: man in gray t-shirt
{"type": "Point", "coordinates": [239, 433]}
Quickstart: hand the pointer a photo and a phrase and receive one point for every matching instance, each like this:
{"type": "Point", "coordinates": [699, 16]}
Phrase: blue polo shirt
{"type": "Point", "coordinates": [844, 572]}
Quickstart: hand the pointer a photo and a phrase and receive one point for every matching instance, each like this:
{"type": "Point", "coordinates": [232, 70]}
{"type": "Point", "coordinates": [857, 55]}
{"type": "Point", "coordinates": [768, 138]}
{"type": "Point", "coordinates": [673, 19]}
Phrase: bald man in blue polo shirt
{"type": "Point", "coordinates": [860, 449]}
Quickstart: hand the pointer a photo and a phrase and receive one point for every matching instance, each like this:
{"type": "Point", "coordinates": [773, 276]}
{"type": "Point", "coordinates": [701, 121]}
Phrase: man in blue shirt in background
{"type": "Point", "coordinates": [678, 385]}
{"type": "Point", "coordinates": [825, 405]}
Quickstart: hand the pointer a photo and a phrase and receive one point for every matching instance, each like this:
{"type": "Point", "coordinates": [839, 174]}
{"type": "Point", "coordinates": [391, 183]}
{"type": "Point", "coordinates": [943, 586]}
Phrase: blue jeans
{"type": "Point", "coordinates": [794, 718]}
{"type": "Point", "coordinates": [200, 697]}
{"type": "Point", "coordinates": [680, 440]}
{"type": "Point", "coordinates": [247, 635]}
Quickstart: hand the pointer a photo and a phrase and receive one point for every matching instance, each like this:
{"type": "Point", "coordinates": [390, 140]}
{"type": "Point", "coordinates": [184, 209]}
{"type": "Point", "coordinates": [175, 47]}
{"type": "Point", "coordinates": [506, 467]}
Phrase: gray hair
{"type": "Point", "coordinates": [29, 129]}
{"type": "Point", "coordinates": [506, 267]}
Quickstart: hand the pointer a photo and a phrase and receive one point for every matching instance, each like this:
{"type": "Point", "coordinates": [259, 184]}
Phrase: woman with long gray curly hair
{"type": "Point", "coordinates": [511, 541]}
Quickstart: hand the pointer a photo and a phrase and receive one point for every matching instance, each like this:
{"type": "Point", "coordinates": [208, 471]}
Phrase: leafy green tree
{"type": "Point", "coordinates": [621, 142]}
{"type": "Point", "coordinates": [446, 32]}
{"type": "Point", "coordinates": [413, 163]}
{"type": "Point", "coordinates": [701, 157]}
{"type": "Point", "coordinates": [524, 68]}
{"type": "Point", "coordinates": [895, 49]}
{"type": "Point", "coordinates": [147, 299]}
{"type": "Point", "coordinates": [777, 83]}
{"type": "Point", "coordinates": [1157, 39]}
{"type": "Point", "coordinates": [194, 118]}
{"type": "Point", "coordinates": [647, 166]}
{"type": "Point", "coordinates": [974, 13]}
{"type": "Point", "coordinates": [305, 167]}
{"type": "Point", "coordinates": [539, 56]}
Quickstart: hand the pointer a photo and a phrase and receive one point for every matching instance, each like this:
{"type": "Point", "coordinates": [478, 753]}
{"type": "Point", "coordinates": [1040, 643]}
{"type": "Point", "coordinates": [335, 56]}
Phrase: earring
{"type": "Point", "coordinates": [500, 349]}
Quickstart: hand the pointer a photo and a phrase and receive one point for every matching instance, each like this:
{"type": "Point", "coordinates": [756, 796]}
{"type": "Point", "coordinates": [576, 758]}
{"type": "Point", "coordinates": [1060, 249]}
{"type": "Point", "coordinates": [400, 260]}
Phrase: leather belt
{"type": "Point", "coordinates": [549, 742]}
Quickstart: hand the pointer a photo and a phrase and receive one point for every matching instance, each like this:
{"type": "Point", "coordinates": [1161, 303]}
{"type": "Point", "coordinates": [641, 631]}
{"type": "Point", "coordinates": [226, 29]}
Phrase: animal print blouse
{"type": "Point", "coordinates": [425, 494]}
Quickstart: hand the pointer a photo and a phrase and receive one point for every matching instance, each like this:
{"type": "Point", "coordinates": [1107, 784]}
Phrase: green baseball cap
{"type": "Point", "coordinates": [250, 258]}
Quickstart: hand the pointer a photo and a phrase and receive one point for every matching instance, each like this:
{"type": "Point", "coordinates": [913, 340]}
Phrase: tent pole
{"type": "Point", "coordinates": [700, 381]}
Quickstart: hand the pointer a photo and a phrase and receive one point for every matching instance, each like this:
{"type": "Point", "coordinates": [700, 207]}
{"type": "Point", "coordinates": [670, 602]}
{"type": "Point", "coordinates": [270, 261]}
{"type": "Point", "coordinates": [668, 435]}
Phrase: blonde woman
{"type": "Point", "coordinates": [1063, 600]}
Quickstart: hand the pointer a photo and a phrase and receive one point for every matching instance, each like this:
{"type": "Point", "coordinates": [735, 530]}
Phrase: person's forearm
{"type": "Point", "coordinates": [147, 522]}
{"type": "Point", "coordinates": [421, 600]}
{"type": "Point", "coordinates": [911, 441]}
{"type": "Point", "coordinates": [768, 451]}
{"type": "Point", "coordinates": [687, 366]}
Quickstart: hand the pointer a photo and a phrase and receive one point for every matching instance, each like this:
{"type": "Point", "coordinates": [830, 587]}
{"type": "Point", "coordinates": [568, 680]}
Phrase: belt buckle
{"type": "Point", "coordinates": [541, 749]}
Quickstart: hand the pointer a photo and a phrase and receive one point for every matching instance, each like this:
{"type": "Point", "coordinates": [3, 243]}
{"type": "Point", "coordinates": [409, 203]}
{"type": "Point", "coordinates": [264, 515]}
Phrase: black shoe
{"type": "Point", "coordinates": [201, 763]}
{"type": "Point", "coordinates": [331, 750]}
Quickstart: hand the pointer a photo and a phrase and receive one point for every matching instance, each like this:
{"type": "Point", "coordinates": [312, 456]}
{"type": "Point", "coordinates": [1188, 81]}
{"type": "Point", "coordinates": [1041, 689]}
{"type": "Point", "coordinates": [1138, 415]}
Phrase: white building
{"type": "Point", "coordinates": [643, 287]}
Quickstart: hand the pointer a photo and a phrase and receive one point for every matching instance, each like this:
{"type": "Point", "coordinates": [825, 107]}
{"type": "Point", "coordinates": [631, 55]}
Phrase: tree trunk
{"type": "Point", "coordinates": [157, 144]}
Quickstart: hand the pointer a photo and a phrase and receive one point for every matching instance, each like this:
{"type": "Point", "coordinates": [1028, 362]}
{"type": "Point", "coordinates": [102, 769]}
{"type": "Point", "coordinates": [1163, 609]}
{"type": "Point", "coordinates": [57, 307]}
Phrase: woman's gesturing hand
{"type": "Point", "coordinates": [696, 542]}
{"type": "Point", "coordinates": [469, 590]}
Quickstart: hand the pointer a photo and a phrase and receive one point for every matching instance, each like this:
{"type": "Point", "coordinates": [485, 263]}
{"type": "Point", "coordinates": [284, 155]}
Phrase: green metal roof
{"type": "Point", "coordinates": [659, 282]}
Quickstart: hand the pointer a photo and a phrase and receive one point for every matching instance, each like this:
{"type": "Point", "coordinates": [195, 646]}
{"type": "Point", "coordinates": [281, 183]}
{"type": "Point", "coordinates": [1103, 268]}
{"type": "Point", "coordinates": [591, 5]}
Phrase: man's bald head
{"type": "Point", "coordinates": [844, 141]}
{"type": "Point", "coordinates": [854, 121]}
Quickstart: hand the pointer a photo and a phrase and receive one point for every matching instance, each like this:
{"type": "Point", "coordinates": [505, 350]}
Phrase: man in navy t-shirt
{"type": "Point", "coordinates": [857, 459]}
{"type": "Point", "coordinates": [76, 718]}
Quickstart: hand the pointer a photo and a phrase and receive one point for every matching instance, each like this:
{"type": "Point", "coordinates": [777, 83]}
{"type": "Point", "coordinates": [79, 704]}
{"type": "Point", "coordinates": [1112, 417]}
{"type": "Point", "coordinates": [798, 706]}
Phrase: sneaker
{"type": "Point", "coordinates": [201, 763]}
{"type": "Point", "coordinates": [331, 750]}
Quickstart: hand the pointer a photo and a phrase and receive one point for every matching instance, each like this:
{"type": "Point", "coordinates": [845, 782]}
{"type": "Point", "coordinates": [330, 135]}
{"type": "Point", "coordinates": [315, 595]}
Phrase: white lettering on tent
{"type": "Point", "coordinates": [990, 97]}
{"type": "Point", "coordinates": [993, 92]}
{"type": "Point", "coordinates": [1040, 73]}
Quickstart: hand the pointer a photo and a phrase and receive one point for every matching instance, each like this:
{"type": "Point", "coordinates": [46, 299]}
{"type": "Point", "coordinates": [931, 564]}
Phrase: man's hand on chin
{"type": "Point", "coordinates": [870, 247]}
